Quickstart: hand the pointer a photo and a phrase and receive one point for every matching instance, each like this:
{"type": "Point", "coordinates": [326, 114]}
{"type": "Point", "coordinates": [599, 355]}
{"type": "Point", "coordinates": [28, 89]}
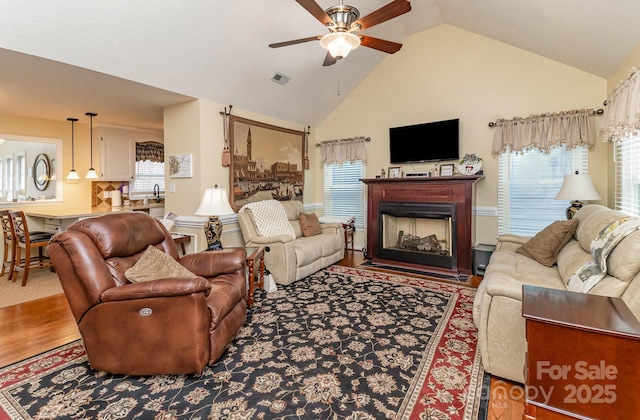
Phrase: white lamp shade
{"type": "Point", "coordinates": [73, 176]}
{"type": "Point", "coordinates": [91, 174]}
{"type": "Point", "coordinates": [214, 203]}
{"type": "Point", "coordinates": [577, 187]}
{"type": "Point", "coordinates": [340, 44]}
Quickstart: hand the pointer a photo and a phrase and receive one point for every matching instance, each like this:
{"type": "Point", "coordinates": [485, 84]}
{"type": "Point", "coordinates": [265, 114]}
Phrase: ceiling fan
{"type": "Point", "coordinates": [342, 21]}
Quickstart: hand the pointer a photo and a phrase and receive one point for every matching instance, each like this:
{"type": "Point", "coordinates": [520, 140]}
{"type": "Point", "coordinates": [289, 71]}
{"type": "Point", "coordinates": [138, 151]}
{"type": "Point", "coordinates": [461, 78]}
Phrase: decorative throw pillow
{"type": "Point", "coordinates": [310, 224]}
{"type": "Point", "coordinates": [546, 245]}
{"type": "Point", "coordinates": [593, 271]}
{"type": "Point", "coordinates": [155, 264]}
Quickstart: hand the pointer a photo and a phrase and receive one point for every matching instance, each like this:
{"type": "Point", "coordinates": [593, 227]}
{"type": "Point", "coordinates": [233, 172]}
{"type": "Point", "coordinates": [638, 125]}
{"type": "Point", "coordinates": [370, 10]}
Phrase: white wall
{"type": "Point", "coordinates": [446, 72]}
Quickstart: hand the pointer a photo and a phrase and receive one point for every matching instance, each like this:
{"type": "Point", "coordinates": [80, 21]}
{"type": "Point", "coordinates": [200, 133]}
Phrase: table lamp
{"type": "Point", "coordinates": [214, 204]}
{"type": "Point", "coordinates": [577, 188]}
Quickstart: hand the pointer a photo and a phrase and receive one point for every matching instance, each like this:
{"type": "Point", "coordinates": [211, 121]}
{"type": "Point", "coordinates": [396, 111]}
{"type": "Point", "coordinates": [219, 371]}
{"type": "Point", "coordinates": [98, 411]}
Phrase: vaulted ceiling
{"type": "Point", "coordinates": [127, 60]}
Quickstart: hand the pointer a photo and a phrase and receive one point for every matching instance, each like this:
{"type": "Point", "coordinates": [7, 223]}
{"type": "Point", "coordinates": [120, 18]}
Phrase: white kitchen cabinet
{"type": "Point", "coordinates": [117, 158]}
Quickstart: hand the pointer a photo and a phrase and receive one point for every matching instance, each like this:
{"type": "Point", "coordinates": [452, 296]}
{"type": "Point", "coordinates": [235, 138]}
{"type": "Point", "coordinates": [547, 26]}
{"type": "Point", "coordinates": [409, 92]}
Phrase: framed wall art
{"type": "Point", "coordinates": [446, 169]}
{"type": "Point", "coordinates": [266, 162]}
{"type": "Point", "coordinates": [180, 166]}
{"type": "Point", "coordinates": [394, 172]}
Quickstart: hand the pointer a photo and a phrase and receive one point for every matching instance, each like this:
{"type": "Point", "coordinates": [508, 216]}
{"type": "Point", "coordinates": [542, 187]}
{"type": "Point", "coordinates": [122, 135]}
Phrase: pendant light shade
{"type": "Point", "coordinates": [73, 175]}
{"type": "Point", "coordinates": [91, 173]}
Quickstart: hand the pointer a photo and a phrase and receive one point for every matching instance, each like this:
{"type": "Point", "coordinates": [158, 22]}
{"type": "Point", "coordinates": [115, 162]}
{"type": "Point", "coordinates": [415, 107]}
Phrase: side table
{"type": "Point", "coordinates": [582, 356]}
{"type": "Point", "coordinates": [254, 254]}
{"type": "Point", "coordinates": [349, 229]}
{"type": "Point", "coordinates": [181, 239]}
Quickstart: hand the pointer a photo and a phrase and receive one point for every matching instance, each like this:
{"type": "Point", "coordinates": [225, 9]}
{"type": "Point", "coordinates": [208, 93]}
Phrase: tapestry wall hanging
{"type": "Point", "coordinates": [266, 162]}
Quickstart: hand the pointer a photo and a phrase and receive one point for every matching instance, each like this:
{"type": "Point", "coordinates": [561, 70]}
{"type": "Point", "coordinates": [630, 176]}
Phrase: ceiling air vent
{"type": "Point", "coordinates": [280, 79]}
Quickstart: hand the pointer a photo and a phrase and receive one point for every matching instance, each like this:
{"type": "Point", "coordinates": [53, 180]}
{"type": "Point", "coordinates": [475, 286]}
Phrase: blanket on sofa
{"type": "Point", "coordinates": [590, 273]}
{"type": "Point", "coordinates": [270, 218]}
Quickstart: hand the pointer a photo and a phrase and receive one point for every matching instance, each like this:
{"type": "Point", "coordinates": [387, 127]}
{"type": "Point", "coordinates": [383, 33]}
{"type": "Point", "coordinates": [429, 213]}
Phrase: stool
{"type": "Point", "coordinates": [29, 241]}
{"type": "Point", "coordinates": [349, 229]}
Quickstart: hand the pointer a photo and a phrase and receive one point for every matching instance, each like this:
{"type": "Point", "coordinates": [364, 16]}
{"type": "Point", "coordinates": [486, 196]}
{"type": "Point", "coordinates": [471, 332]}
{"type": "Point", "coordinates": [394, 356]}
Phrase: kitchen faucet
{"type": "Point", "coordinates": [156, 192]}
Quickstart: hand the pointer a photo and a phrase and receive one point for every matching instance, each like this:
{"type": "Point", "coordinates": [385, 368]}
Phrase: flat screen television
{"type": "Point", "coordinates": [428, 142]}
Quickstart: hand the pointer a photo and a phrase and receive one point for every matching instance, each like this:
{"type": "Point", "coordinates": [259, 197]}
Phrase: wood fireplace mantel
{"type": "Point", "coordinates": [457, 190]}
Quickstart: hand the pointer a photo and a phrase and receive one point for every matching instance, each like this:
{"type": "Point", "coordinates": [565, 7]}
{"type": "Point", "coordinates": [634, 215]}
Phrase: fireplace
{"type": "Point", "coordinates": [424, 224]}
{"type": "Point", "coordinates": [418, 233]}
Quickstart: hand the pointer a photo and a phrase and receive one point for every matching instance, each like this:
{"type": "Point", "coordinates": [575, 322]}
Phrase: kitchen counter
{"type": "Point", "coordinates": [88, 211]}
{"type": "Point", "coordinates": [58, 220]}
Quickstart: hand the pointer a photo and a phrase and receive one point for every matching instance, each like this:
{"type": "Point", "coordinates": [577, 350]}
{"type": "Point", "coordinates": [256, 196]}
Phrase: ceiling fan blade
{"type": "Point", "coordinates": [295, 41]}
{"type": "Point", "coordinates": [317, 11]}
{"type": "Point", "coordinates": [380, 44]}
{"type": "Point", "coordinates": [329, 60]}
{"type": "Point", "coordinates": [383, 14]}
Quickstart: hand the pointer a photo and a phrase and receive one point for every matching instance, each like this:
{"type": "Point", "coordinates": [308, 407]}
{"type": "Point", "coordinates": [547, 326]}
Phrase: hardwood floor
{"type": "Point", "coordinates": [33, 327]}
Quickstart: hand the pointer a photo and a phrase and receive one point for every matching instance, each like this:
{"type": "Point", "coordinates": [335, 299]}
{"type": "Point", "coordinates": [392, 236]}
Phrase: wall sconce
{"type": "Point", "coordinates": [73, 175]}
{"type": "Point", "coordinates": [91, 173]}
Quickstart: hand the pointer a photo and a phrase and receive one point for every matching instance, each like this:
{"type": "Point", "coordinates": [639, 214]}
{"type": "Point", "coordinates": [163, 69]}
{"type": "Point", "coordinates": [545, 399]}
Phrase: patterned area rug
{"type": "Point", "coordinates": [344, 343]}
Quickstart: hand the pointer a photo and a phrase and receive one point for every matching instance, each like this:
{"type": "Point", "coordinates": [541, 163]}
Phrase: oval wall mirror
{"type": "Point", "coordinates": [41, 172]}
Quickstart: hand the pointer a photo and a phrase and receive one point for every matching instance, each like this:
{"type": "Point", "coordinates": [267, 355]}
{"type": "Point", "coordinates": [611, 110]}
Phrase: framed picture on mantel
{"type": "Point", "coordinates": [394, 172]}
{"type": "Point", "coordinates": [446, 169]}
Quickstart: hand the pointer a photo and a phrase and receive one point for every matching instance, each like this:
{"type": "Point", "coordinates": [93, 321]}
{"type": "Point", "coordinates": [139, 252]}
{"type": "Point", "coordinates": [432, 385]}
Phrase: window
{"type": "Point", "coordinates": [343, 193]}
{"type": "Point", "coordinates": [627, 175]}
{"type": "Point", "coordinates": [527, 185]}
{"type": "Point", "coordinates": [20, 172]}
{"type": "Point", "coordinates": [8, 177]}
{"type": "Point", "coordinates": [148, 174]}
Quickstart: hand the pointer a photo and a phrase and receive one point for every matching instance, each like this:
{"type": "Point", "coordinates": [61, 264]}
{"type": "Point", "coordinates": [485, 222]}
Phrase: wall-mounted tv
{"type": "Point", "coordinates": [426, 142]}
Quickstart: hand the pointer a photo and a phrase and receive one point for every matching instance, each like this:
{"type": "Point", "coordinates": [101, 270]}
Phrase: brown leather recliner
{"type": "Point", "coordinates": [165, 326]}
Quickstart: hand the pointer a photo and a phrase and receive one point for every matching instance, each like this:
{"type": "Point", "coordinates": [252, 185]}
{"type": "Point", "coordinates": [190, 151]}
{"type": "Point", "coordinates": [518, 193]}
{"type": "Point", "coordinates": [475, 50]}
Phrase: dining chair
{"type": "Point", "coordinates": [8, 250]}
{"type": "Point", "coordinates": [29, 242]}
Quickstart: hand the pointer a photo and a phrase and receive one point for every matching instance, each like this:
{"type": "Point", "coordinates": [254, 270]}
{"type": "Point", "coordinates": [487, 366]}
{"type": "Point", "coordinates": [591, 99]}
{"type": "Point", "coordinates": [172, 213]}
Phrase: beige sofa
{"type": "Point", "coordinates": [291, 259]}
{"type": "Point", "coordinates": [497, 308]}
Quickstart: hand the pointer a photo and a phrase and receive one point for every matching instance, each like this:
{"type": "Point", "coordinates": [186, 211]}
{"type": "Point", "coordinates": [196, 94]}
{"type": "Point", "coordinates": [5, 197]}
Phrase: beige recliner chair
{"type": "Point", "coordinates": [291, 259]}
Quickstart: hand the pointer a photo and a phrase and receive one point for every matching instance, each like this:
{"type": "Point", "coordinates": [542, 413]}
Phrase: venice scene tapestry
{"type": "Point", "coordinates": [266, 162]}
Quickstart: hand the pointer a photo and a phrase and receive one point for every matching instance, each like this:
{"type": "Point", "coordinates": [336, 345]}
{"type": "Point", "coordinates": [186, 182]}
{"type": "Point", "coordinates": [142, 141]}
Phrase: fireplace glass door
{"type": "Point", "coordinates": [418, 233]}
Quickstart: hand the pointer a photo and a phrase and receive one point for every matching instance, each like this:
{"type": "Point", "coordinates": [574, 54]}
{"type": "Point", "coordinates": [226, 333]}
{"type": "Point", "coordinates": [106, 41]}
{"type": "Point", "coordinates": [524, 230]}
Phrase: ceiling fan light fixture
{"type": "Point", "coordinates": [340, 44]}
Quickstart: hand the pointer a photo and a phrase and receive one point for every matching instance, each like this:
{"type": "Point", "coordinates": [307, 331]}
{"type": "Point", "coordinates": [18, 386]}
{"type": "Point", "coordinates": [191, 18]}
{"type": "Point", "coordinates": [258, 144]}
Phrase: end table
{"type": "Point", "coordinates": [582, 356]}
{"type": "Point", "coordinates": [253, 254]}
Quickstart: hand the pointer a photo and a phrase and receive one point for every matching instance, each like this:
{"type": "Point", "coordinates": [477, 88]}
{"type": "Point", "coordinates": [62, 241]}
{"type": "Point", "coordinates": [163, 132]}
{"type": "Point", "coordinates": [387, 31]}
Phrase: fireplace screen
{"type": "Point", "coordinates": [417, 234]}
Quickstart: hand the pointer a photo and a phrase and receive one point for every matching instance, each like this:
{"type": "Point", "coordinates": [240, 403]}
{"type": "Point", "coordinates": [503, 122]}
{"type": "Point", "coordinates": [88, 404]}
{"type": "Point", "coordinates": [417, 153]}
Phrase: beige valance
{"type": "Point", "coordinates": [545, 131]}
{"type": "Point", "coordinates": [150, 150]}
{"type": "Point", "coordinates": [343, 150]}
{"type": "Point", "coordinates": [622, 114]}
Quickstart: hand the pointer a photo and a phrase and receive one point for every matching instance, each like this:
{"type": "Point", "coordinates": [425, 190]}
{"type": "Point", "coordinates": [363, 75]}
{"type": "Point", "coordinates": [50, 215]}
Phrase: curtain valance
{"type": "Point", "coordinates": [343, 150]}
{"type": "Point", "coordinates": [545, 131]}
{"type": "Point", "coordinates": [150, 150]}
{"type": "Point", "coordinates": [622, 114]}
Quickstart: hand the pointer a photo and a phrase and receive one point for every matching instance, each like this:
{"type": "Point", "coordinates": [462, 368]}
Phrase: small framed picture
{"type": "Point", "coordinates": [394, 172]}
{"type": "Point", "coordinates": [446, 169]}
{"type": "Point", "coordinates": [180, 166]}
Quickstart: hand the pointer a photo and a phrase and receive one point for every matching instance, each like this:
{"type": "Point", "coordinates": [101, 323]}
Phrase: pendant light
{"type": "Point", "coordinates": [73, 175]}
{"type": "Point", "coordinates": [91, 174]}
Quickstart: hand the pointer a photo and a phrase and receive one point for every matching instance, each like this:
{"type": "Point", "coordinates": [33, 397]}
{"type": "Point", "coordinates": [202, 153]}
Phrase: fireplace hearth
{"type": "Point", "coordinates": [423, 224]}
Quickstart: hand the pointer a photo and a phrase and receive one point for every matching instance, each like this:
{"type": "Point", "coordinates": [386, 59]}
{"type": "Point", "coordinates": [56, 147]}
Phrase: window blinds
{"type": "Point", "coordinates": [528, 183]}
{"type": "Point", "coordinates": [343, 193]}
{"type": "Point", "coordinates": [627, 175]}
